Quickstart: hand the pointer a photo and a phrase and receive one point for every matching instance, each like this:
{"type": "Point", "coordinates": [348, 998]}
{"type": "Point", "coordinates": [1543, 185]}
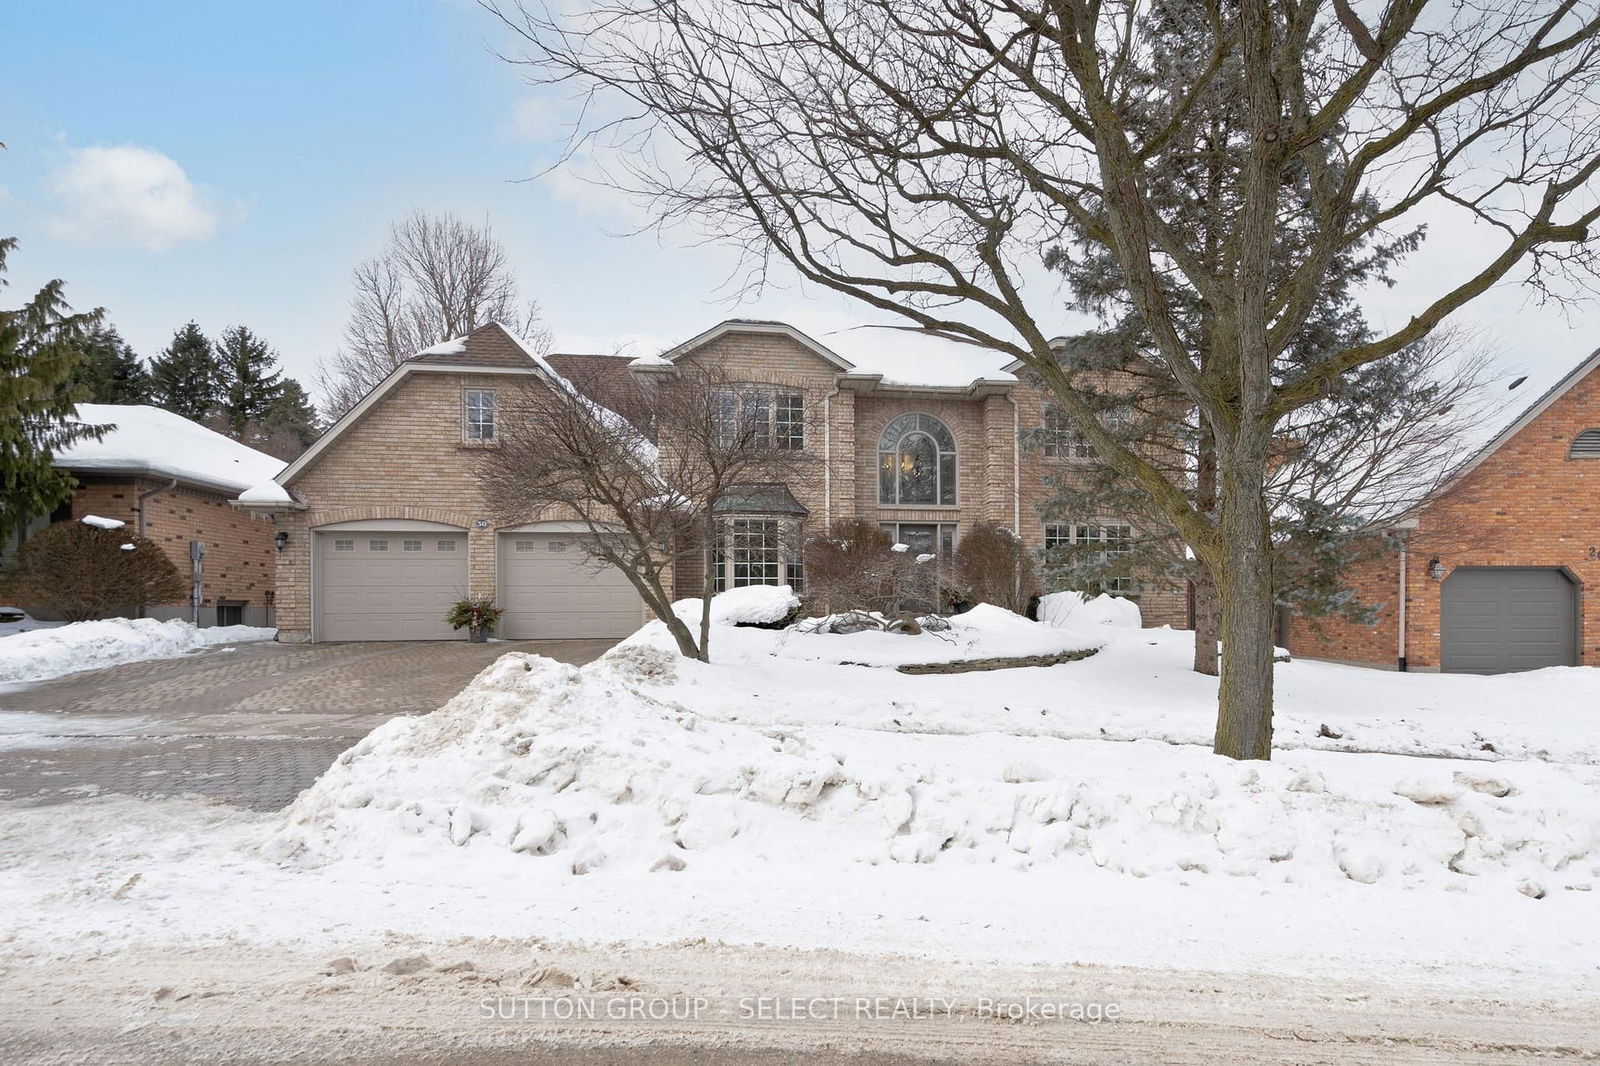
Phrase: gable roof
{"type": "Point", "coordinates": [755, 325]}
{"type": "Point", "coordinates": [148, 441]}
{"type": "Point", "coordinates": [491, 344]}
{"type": "Point", "coordinates": [489, 349]}
{"type": "Point", "coordinates": [1521, 422]}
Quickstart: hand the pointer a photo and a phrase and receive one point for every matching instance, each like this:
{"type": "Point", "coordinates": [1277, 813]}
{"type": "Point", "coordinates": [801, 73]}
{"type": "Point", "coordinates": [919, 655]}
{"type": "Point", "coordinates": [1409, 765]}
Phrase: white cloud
{"type": "Point", "coordinates": [128, 195]}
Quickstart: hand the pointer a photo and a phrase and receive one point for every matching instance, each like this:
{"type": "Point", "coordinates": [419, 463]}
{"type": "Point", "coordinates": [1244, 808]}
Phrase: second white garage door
{"type": "Point", "coordinates": [551, 590]}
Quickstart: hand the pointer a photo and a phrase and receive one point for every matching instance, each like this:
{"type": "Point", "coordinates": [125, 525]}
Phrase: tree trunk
{"type": "Point", "coordinates": [708, 582]}
{"type": "Point", "coordinates": [1207, 609]}
{"type": "Point", "coordinates": [1207, 622]}
{"type": "Point", "coordinates": [1245, 589]}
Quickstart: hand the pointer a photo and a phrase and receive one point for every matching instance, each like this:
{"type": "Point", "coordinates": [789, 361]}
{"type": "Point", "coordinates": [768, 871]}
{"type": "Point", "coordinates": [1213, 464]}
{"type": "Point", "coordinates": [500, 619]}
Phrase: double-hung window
{"type": "Point", "coordinates": [478, 415]}
{"type": "Point", "coordinates": [1094, 545]}
{"type": "Point", "coordinates": [759, 416]}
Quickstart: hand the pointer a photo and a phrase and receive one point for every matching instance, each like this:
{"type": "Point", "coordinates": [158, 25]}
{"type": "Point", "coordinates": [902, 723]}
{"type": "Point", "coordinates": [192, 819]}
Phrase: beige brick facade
{"type": "Point", "coordinates": [404, 457]}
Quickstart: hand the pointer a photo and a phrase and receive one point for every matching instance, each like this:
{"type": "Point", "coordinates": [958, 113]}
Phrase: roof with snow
{"type": "Point", "coordinates": [146, 441]}
{"type": "Point", "coordinates": [491, 344]}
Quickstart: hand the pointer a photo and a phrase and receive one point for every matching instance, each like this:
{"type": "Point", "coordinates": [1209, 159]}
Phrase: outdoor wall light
{"type": "Point", "coordinates": [1435, 568]}
{"type": "Point", "coordinates": [282, 539]}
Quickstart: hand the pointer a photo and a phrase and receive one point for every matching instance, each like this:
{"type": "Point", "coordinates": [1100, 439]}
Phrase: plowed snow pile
{"type": "Point", "coordinates": [645, 763]}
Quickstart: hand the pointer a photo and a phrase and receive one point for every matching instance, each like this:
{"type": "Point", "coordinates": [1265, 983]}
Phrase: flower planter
{"type": "Point", "coordinates": [478, 636]}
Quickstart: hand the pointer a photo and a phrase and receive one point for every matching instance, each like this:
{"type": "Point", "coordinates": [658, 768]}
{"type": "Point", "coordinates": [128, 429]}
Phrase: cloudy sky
{"type": "Point", "coordinates": [231, 163]}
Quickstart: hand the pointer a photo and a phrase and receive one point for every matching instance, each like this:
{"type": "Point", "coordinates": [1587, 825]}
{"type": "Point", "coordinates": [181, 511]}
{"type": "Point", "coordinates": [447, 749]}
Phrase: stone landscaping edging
{"type": "Point", "coordinates": [967, 666]}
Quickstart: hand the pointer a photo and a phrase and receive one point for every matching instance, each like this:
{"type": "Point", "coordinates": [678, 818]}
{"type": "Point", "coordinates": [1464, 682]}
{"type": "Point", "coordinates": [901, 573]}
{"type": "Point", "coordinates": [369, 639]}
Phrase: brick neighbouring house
{"type": "Point", "coordinates": [1497, 563]}
{"type": "Point", "coordinates": [387, 526]}
{"type": "Point", "coordinates": [175, 481]}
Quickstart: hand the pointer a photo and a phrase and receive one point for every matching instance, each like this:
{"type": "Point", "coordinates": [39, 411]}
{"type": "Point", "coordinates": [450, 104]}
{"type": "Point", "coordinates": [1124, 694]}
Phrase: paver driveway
{"type": "Point", "coordinates": [251, 725]}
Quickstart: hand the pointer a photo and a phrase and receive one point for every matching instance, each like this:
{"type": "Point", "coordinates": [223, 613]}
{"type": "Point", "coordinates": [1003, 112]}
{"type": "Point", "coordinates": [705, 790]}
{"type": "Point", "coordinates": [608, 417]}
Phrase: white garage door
{"type": "Point", "coordinates": [552, 589]}
{"type": "Point", "coordinates": [389, 586]}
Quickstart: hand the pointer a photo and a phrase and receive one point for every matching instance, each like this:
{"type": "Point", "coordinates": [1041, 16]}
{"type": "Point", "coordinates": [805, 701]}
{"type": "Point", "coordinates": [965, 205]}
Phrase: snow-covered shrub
{"type": "Point", "coordinates": [1080, 609]}
{"type": "Point", "coordinates": [82, 571]}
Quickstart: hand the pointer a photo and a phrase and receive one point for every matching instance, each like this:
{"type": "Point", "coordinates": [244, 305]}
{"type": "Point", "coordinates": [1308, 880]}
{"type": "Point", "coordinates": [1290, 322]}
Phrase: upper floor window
{"type": "Point", "coordinates": [1586, 445]}
{"type": "Point", "coordinates": [759, 416]}
{"type": "Point", "coordinates": [477, 416]}
{"type": "Point", "coordinates": [917, 462]}
{"type": "Point", "coordinates": [1062, 440]}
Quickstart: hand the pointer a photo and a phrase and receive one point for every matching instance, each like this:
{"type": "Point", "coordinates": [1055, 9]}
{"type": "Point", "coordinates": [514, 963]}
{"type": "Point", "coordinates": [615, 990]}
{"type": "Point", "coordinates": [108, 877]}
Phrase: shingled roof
{"type": "Point", "coordinates": [488, 345]}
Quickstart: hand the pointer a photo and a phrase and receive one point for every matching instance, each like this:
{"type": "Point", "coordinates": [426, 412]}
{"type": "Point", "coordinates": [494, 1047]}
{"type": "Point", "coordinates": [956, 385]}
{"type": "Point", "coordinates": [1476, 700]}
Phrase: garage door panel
{"type": "Point", "coordinates": [1498, 619]}
{"type": "Point", "coordinates": [552, 589]}
{"type": "Point", "coordinates": [370, 587]}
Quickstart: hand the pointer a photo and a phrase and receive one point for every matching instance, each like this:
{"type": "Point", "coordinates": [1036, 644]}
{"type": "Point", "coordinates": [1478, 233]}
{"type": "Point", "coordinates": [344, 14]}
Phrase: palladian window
{"type": "Point", "coordinates": [917, 462]}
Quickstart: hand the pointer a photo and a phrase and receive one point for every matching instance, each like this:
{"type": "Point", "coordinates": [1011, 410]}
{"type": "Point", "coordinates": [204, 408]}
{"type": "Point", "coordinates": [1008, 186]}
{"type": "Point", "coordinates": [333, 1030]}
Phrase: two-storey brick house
{"type": "Point", "coordinates": [386, 524]}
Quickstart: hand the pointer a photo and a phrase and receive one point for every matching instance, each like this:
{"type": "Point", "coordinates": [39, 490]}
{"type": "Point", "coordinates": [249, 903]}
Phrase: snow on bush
{"type": "Point", "coordinates": [46, 653]}
{"type": "Point", "coordinates": [747, 605]}
{"type": "Point", "coordinates": [1078, 609]}
{"type": "Point", "coordinates": [610, 767]}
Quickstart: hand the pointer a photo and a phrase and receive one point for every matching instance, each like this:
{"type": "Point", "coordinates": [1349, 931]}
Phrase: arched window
{"type": "Point", "coordinates": [1586, 445]}
{"type": "Point", "coordinates": [917, 462]}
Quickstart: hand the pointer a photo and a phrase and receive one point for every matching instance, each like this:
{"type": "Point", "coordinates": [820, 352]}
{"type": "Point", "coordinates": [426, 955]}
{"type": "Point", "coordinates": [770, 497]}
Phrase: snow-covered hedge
{"type": "Point", "coordinates": [748, 605]}
{"type": "Point", "coordinates": [1077, 609]}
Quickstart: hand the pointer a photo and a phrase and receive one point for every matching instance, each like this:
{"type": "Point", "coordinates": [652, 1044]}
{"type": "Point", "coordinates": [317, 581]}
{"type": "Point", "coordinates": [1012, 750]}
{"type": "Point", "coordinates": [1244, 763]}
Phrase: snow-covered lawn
{"type": "Point", "coordinates": [41, 654]}
{"type": "Point", "coordinates": [1058, 815]}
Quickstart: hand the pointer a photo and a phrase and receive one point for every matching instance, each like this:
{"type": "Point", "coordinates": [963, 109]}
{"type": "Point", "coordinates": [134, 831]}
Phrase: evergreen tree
{"type": "Point", "coordinates": [41, 346]}
{"type": "Point", "coordinates": [248, 377]}
{"type": "Point", "coordinates": [290, 424]}
{"type": "Point", "coordinates": [110, 371]}
{"type": "Point", "coordinates": [185, 378]}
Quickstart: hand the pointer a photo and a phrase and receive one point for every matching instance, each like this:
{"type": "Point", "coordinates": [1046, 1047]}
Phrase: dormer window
{"type": "Point", "coordinates": [477, 415]}
{"type": "Point", "coordinates": [1586, 445]}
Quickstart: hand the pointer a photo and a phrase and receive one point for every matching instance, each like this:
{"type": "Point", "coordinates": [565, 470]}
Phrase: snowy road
{"type": "Point", "coordinates": [246, 1006]}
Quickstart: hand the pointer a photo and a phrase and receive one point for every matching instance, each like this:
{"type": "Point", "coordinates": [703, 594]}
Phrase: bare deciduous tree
{"type": "Point", "coordinates": [439, 278]}
{"type": "Point", "coordinates": [1344, 469]}
{"type": "Point", "coordinates": [919, 157]}
{"type": "Point", "coordinates": [648, 498]}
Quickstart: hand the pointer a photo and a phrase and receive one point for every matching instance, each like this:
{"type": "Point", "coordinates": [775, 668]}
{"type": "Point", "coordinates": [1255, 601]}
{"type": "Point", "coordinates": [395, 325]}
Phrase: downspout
{"type": "Point", "coordinates": [827, 456]}
{"type": "Point", "coordinates": [138, 506]}
{"type": "Point", "coordinates": [1401, 649]}
{"type": "Point", "coordinates": [138, 501]}
{"type": "Point", "coordinates": [1016, 463]}
{"type": "Point", "coordinates": [1403, 531]}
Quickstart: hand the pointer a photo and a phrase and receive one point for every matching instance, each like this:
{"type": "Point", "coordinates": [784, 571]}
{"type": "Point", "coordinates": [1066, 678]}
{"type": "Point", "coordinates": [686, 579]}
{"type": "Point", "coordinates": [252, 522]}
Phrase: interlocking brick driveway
{"type": "Point", "coordinates": [250, 725]}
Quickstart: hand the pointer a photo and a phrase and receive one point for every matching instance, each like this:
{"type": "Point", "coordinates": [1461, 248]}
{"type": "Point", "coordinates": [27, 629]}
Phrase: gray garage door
{"type": "Point", "coordinates": [389, 586]}
{"type": "Point", "coordinates": [1494, 619]}
{"type": "Point", "coordinates": [551, 589]}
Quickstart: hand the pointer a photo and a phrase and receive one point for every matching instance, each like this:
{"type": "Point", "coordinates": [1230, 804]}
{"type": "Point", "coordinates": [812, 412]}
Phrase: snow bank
{"type": "Point", "coordinates": [1078, 609]}
{"type": "Point", "coordinates": [102, 523]}
{"type": "Point", "coordinates": [611, 767]}
{"type": "Point", "coordinates": [747, 605]}
{"type": "Point", "coordinates": [42, 654]}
